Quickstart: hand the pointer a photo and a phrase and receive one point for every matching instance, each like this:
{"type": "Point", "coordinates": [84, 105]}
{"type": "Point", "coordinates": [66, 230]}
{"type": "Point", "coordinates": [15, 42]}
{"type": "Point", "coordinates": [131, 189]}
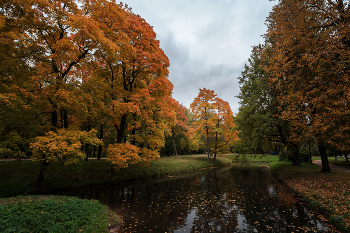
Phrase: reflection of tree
{"type": "Point", "coordinates": [219, 201]}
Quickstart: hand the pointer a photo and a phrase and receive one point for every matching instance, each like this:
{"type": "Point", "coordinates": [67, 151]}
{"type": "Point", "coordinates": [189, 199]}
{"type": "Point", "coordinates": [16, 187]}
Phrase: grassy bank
{"type": "Point", "coordinates": [19, 178]}
{"type": "Point", "coordinates": [340, 162]}
{"type": "Point", "coordinates": [327, 192]}
{"type": "Point", "coordinates": [256, 159]}
{"type": "Point", "coordinates": [55, 214]}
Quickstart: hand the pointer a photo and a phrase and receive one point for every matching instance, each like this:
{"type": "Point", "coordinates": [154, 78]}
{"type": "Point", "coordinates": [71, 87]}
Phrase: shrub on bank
{"type": "Point", "coordinates": [53, 214]}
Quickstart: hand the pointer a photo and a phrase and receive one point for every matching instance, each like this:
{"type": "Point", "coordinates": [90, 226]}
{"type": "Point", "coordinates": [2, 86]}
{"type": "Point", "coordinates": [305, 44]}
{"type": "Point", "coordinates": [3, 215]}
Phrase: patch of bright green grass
{"type": "Point", "coordinates": [54, 214]}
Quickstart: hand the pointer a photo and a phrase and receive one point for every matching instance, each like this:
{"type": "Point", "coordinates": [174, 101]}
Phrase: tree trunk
{"type": "Point", "coordinates": [323, 153]}
{"type": "Point", "coordinates": [120, 129]}
{"type": "Point", "coordinates": [40, 181]}
{"type": "Point", "coordinates": [216, 146]}
{"type": "Point", "coordinates": [310, 156]}
{"type": "Point", "coordinates": [296, 161]}
{"type": "Point", "coordinates": [54, 119]}
{"type": "Point", "coordinates": [100, 146]}
{"type": "Point", "coordinates": [94, 152]}
{"type": "Point", "coordinates": [346, 157]}
{"type": "Point", "coordinates": [174, 144]}
{"type": "Point", "coordinates": [207, 131]}
{"type": "Point", "coordinates": [87, 152]}
{"type": "Point", "coordinates": [65, 119]}
{"type": "Point", "coordinates": [113, 171]}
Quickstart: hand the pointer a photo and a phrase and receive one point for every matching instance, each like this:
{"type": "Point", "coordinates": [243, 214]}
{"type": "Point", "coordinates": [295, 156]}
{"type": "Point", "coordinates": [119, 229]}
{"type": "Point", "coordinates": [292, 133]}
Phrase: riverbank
{"type": "Point", "coordinates": [19, 178]}
{"type": "Point", "coordinates": [325, 192]}
{"type": "Point", "coordinates": [328, 192]}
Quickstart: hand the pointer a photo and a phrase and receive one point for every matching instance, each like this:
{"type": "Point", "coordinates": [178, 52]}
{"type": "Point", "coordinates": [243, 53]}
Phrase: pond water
{"type": "Point", "coordinates": [214, 200]}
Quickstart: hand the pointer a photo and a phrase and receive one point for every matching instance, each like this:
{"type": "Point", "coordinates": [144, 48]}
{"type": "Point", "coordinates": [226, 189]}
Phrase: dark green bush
{"type": "Point", "coordinates": [339, 223]}
{"type": "Point", "coordinates": [52, 214]}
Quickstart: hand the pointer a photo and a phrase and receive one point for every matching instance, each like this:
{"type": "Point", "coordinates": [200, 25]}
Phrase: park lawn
{"type": "Point", "coordinates": [55, 214]}
{"type": "Point", "coordinates": [340, 162]}
{"type": "Point", "coordinates": [258, 159]}
{"type": "Point", "coordinates": [323, 191]}
{"type": "Point", "coordinates": [19, 178]}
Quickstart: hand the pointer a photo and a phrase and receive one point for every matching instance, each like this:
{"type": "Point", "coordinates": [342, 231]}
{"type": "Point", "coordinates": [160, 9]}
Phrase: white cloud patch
{"type": "Point", "coordinates": [207, 41]}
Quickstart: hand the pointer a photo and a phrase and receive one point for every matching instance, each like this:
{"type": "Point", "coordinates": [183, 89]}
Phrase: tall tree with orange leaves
{"type": "Point", "coordinates": [81, 66]}
{"type": "Point", "coordinates": [309, 65]}
{"type": "Point", "coordinates": [132, 72]}
{"type": "Point", "coordinates": [224, 133]}
{"type": "Point", "coordinates": [203, 110]}
{"type": "Point", "coordinates": [213, 119]}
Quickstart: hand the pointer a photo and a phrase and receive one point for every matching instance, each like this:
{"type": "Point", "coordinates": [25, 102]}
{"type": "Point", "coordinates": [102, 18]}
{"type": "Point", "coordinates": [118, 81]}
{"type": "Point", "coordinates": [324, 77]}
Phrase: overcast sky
{"type": "Point", "coordinates": [207, 41]}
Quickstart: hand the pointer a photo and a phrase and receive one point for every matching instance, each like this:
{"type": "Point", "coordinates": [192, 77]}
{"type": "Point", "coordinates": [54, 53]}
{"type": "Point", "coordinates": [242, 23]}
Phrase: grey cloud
{"type": "Point", "coordinates": [207, 42]}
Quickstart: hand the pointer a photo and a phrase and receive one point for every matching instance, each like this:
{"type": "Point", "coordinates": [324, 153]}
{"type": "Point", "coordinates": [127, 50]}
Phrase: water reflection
{"type": "Point", "coordinates": [224, 200]}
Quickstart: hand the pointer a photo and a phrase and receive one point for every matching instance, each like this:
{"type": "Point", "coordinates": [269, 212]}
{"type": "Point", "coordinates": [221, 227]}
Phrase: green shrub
{"type": "Point", "coordinates": [285, 155]}
{"type": "Point", "coordinates": [52, 214]}
{"type": "Point", "coordinates": [339, 223]}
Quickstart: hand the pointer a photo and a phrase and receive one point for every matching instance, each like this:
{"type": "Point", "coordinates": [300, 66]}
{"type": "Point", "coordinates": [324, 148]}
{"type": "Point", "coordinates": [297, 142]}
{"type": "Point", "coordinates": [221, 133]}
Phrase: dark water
{"type": "Point", "coordinates": [222, 200]}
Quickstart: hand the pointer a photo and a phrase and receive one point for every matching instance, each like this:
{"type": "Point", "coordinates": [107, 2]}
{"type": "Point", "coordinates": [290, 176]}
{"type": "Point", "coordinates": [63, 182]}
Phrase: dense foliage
{"type": "Point", "coordinates": [301, 76]}
{"type": "Point", "coordinates": [69, 68]}
{"type": "Point", "coordinates": [52, 214]}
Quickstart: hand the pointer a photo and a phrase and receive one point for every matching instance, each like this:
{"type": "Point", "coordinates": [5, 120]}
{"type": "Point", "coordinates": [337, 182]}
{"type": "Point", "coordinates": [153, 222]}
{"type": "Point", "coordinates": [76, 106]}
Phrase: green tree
{"type": "Point", "coordinates": [259, 119]}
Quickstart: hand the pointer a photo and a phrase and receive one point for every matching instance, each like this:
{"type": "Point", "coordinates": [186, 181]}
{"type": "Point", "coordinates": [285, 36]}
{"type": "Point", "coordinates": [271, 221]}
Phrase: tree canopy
{"type": "Point", "coordinates": [78, 67]}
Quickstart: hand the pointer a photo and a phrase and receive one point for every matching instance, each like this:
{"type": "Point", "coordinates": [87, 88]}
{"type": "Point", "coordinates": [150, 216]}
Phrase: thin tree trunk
{"type": "Point", "coordinates": [40, 181]}
{"type": "Point", "coordinates": [65, 119]}
{"type": "Point", "coordinates": [87, 146]}
{"type": "Point", "coordinates": [310, 156]}
{"type": "Point", "coordinates": [174, 144]}
{"type": "Point", "coordinates": [207, 131]}
{"type": "Point", "coordinates": [100, 146]}
{"type": "Point", "coordinates": [296, 161]}
{"type": "Point", "coordinates": [323, 153]}
{"type": "Point", "coordinates": [87, 151]}
{"type": "Point", "coordinates": [120, 129]}
{"type": "Point", "coordinates": [216, 146]}
{"type": "Point", "coordinates": [54, 119]}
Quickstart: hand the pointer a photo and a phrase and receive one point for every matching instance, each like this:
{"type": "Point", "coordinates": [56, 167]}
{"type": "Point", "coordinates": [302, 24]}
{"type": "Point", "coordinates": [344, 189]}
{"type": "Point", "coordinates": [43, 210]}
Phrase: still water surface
{"type": "Point", "coordinates": [214, 200]}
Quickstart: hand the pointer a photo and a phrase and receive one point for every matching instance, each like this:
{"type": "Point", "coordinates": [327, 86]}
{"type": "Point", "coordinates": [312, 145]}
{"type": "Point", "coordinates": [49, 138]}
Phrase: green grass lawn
{"type": "Point", "coordinates": [252, 158]}
{"type": "Point", "coordinates": [340, 162]}
{"type": "Point", "coordinates": [323, 191]}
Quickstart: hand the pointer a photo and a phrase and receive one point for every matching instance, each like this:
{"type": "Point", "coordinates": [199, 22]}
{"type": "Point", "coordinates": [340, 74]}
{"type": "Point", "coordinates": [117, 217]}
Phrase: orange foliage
{"type": "Point", "coordinates": [309, 65]}
{"type": "Point", "coordinates": [92, 64]}
{"type": "Point", "coordinates": [214, 119]}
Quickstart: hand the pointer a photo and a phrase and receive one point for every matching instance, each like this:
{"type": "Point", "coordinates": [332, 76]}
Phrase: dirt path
{"type": "Point", "coordinates": [332, 166]}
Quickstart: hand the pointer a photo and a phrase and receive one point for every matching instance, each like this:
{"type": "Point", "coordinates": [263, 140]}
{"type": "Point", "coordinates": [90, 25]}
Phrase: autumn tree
{"type": "Point", "coordinates": [224, 131]}
{"type": "Point", "coordinates": [213, 118]}
{"type": "Point", "coordinates": [64, 145]}
{"type": "Point", "coordinates": [203, 111]}
{"type": "Point", "coordinates": [177, 141]}
{"type": "Point", "coordinates": [131, 71]}
{"type": "Point", "coordinates": [74, 66]}
{"type": "Point", "coordinates": [20, 118]}
{"type": "Point", "coordinates": [310, 47]}
{"type": "Point", "coordinates": [259, 119]}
